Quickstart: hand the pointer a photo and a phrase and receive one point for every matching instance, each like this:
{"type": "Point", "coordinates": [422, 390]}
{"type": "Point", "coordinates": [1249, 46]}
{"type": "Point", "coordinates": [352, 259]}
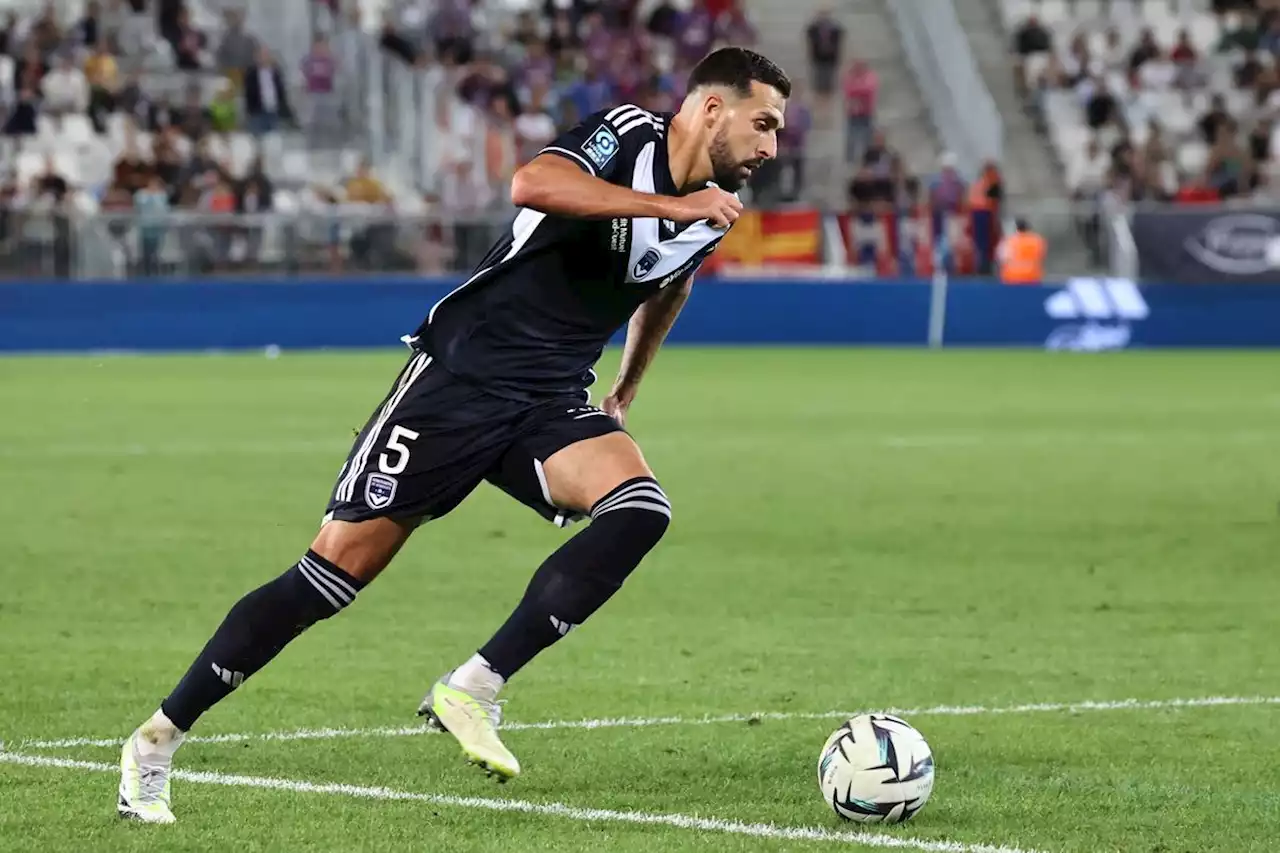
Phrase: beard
{"type": "Point", "coordinates": [730, 173]}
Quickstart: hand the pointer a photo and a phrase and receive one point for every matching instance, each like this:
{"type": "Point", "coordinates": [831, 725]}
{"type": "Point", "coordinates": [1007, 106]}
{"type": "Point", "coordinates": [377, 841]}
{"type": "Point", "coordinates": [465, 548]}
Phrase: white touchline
{"type": "Point", "coordinates": [644, 722]}
{"type": "Point", "coordinates": [679, 821]}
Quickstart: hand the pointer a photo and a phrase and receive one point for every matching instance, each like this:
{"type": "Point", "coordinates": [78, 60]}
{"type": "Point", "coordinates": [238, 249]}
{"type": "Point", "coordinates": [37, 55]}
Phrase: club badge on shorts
{"type": "Point", "coordinates": [379, 491]}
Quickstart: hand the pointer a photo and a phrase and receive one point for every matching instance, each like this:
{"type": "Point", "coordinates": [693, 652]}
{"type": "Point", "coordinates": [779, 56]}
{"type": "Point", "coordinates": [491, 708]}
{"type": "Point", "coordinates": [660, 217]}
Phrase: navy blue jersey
{"type": "Point", "coordinates": [535, 316]}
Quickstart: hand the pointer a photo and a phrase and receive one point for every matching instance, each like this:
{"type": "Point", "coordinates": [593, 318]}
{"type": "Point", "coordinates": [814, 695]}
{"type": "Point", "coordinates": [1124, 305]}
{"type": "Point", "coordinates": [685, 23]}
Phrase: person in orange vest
{"type": "Point", "coordinates": [1021, 256]}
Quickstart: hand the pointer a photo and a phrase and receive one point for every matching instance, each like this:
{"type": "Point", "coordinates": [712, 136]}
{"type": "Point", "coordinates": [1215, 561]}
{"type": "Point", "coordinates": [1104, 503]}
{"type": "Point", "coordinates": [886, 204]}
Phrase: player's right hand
{"type": "Point", "coordinates": [713, 204]}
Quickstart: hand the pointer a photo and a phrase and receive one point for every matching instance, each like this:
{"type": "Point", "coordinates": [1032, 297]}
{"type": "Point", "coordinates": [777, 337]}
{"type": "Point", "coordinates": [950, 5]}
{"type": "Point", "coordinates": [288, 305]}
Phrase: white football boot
{"type": "Point", "coordinates": [144, 771]}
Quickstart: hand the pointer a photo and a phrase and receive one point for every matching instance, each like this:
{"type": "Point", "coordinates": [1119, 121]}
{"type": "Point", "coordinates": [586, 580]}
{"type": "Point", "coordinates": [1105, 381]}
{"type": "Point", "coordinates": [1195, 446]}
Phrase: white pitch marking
{"type": "Point", "coordinates": [678, 821]}
{"type": "Point", "coordinates": [645, 722]}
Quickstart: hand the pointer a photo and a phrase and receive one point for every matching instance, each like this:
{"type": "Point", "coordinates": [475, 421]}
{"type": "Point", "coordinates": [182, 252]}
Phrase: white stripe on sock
{"type": "Point", "coordinates": [320, 587]}
{"type": "Point", "coordinates": [335, 580]}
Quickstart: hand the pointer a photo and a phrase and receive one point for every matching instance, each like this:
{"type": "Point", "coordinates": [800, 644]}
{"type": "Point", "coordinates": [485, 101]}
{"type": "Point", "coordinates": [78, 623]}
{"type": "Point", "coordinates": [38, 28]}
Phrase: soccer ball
{"type": "Point", "coordinates": [876, 769]}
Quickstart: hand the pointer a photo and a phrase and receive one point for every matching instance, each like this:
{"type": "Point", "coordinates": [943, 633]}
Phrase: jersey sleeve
{"type": "Point", "coordinates": [597, 145]}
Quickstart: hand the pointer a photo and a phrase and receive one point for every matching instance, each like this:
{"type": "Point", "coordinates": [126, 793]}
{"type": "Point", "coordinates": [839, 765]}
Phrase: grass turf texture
{"type": "Point", "coordinates": [853, 529]}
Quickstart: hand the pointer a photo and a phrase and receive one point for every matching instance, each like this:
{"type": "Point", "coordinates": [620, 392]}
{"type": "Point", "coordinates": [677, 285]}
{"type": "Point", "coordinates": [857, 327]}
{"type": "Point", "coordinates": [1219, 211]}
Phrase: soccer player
{"type": "Point", "coordinates": [615, 216]}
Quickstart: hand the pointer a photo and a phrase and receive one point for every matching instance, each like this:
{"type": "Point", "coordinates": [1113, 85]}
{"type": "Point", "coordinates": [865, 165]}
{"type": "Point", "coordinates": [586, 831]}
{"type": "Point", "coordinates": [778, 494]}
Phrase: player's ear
{"type": "Point", "coordinates": [713, 108]}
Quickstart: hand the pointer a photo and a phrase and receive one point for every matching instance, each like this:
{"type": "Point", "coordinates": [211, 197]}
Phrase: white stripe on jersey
{"type": "Point", "coordinates": [618, 114]}
{"type": "Point", "coordinates": [346, 488]}
{"type": "Point", "coordinates": [522, 228]}
{"type": "Point", "coordinates": [632, 123]}
{"type": "Point", "coordinates": [583, 160]}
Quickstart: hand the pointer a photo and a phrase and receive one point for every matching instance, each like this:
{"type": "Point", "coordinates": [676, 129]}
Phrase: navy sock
{"type": "Point", "coordinates": [258, 627]}
{"type": "Point", "coordinates": [583, 574]}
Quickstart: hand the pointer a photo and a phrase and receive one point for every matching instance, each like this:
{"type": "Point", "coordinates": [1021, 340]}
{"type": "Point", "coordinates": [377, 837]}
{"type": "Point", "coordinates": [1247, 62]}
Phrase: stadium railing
{"type": "Point", "coordinates": [1167, 243]}
{"type": "Point", "coordinates": [944, 67]}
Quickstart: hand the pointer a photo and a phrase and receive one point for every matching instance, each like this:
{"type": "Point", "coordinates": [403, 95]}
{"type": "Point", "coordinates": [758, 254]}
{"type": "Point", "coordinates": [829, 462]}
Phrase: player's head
{"type": "Point", "coordinates": [737, 97]}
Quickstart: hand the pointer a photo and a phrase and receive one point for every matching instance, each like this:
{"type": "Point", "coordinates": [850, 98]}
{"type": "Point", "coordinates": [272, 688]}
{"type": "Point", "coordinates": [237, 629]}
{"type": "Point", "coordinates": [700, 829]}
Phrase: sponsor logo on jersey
{"type": "Point", "coordinates": [379, 490]}
{"type": "Point", "coordinates": [1107, 308]}
{"type": "Point", "coordinates": [618, 236]}
{"type": "Point", "coordinates": [647, 262]}
{"type": "Point", "coordinates": [601, 147]}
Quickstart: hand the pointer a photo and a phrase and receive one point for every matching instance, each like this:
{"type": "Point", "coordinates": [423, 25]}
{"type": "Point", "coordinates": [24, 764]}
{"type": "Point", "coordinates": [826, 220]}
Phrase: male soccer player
{"type": "Point", "coordinates": [615, 216]}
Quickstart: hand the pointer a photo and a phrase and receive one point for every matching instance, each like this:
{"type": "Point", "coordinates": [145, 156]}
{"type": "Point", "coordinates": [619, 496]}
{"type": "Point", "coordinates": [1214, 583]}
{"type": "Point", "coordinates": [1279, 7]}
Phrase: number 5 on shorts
{"type": "Point", "coordinates": [396, 443]}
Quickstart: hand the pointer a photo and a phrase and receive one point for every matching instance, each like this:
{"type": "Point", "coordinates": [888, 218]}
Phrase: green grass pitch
{"type": "Point", "coordinates": [853, 530]}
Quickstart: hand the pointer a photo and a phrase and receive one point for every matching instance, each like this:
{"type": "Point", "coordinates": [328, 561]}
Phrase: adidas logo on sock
{"type": "Point", "coordinates": [562, 626]}
{"type": "Point", "coordinates": [232, 678]}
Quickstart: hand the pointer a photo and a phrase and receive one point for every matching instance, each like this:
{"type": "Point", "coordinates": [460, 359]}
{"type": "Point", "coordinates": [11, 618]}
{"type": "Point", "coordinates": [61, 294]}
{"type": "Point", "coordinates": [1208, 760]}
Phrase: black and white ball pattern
{"type": "Point", "coordinates": [876, 768]}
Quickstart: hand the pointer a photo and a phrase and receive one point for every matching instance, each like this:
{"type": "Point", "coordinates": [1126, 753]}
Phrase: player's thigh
{"type": "Point", "coordinates": [582, 473]}
{"type": "Point", "coordinates": [567, 457]}
{"type": "Point", "coordinates": [362, 549]}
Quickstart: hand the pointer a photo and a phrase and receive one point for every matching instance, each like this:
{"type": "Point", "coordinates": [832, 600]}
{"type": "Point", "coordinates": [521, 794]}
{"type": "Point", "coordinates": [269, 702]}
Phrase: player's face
{"type": "Point", "coordinates": [746, 136]}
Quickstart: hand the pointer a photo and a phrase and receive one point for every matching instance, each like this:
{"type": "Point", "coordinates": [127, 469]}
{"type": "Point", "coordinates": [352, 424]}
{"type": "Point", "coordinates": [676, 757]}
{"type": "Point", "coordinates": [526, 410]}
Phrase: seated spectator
{"type": "Point", "coordinates": [1246, 74]}
{"type": "Point", "coordinates": [363, 187]}
{"type": "Point", "coordinates": [22, 115]}
{"type": "Point", "coordinates": [1230, 169]}
{"type": "Point", "coordinates": [1088, 176]}
{"type": "Point", "coordinates": [28, 73]}
{"type": "Point", "coordinates": [1078, 65]}
{"type": "Point", "coordinates": [1270, 38]}
{"type": "Point", "coordinates": [1260, 141]}
{"type": "Point", "coordinates": [103, 74]}
{"type": "Point", "coordinates": [151, 203]}
{"type": "Point", "coordinates": [193, 118]}
{"type": "Point", "coordinates": [1114, 56]}
{"type": "Point", "coordinates": [9, 34]}
{"type": "Point", "coordinates": [224, 109]}
{"type": "Point", "coordinates": [237, 49]}
{"type": "Point", "coordinates": [534, 127]}
{"type": "Point", "coordinates": [50, 183]}
{"type": "Point", "coordinates": [87, 31]}
{"type": "Point", "coordinates": [188, 43]}
{"type": "Point", "coordinates": [64, 89]}
{"type": "Point", "coordinates": [1216, 116]}
{"type": "Point", "coordinates": [878, 155]}
{"type": "Point", "coordinates": [1239, 32]}
{"type": "Point", "coordinates": [46, 34]}
{"type": "Point", "coordinates": [1146, 50]}
{"type": "Point", "coordinates": [1029, 39]}
{"type": "Point", "coordinates": [1100, 106]}
{"type": "Point", "coordinates": [1183, 49]}
{"type": "Point", "coordinates": [132, 171]}
{"type": "Point", "coordinates": [869, 190]}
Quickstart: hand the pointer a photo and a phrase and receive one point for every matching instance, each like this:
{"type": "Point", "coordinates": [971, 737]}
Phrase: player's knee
{"type": "Point", "coordinates": [641, 506]}
{"type": "Point", "coordinates": [318, 589]}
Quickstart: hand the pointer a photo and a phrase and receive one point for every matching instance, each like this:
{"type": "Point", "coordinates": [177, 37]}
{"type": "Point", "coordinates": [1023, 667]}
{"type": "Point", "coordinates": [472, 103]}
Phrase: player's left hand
{"type": "Point", "coordinates": [616, 405]}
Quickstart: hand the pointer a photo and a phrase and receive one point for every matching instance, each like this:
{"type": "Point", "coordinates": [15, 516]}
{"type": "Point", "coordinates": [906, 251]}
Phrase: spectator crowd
{"type": "Point", "coordinates": [1188, 117]}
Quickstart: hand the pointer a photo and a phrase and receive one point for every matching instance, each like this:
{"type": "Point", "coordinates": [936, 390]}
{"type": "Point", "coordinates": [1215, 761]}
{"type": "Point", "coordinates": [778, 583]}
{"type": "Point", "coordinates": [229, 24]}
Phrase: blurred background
{"type": "Point", "coordinates": [1041, 142]}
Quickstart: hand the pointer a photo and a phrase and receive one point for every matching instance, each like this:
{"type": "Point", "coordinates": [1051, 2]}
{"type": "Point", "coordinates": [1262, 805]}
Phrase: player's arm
{"type": "Point", "coordinates": [553, 184]}
{"type": "Point", "coordinates": [585, 174]}
{"type": "Point", "coordinates": [645, 333]}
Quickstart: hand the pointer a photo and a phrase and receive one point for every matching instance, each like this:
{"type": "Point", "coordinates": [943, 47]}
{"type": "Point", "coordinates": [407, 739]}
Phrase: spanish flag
{"type": "Point", "coordinates": [761, 238]}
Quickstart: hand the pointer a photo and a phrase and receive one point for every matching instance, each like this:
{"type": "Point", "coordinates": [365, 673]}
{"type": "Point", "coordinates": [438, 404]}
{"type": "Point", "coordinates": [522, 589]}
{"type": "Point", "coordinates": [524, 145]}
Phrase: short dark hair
{"type": "Point", "coordinates": [738, 68]}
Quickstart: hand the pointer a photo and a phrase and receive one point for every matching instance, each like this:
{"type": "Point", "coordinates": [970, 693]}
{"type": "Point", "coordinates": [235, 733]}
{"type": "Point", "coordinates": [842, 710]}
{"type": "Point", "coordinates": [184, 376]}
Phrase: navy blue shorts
{"type": "Point", "coordinates": [435, 438]}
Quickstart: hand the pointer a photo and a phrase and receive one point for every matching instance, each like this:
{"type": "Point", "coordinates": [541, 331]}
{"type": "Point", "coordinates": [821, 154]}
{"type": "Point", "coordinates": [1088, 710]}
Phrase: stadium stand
{"type": "Point", "coordinates": [1154, 100]}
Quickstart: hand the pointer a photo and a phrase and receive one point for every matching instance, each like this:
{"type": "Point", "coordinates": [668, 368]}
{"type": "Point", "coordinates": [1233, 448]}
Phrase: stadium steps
{"type": "Point", "coordinates": [869, 35]}
{"type": "Point", "coordinates": [1029, 167]}
{"type": "Point", "coordinates": [1033, 178]}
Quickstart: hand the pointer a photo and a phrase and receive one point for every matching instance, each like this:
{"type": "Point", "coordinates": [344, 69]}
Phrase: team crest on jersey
{"type": "Point", "coordinates": [379, 490]}
{"type": "Point", "coordinates": [601, 147]}
{"type": "Point", "coordinates": [647, 262]}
